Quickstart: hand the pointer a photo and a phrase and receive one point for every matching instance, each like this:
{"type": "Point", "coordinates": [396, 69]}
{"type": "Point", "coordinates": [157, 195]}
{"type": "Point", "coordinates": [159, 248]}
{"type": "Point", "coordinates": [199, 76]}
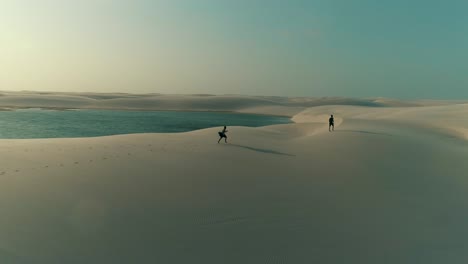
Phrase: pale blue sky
{"type": "Point", "coordinates": [357, 48]}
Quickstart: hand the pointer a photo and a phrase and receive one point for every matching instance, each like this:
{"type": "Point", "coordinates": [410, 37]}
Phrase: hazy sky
{"type": "Point", "coordinates": [391, 48]}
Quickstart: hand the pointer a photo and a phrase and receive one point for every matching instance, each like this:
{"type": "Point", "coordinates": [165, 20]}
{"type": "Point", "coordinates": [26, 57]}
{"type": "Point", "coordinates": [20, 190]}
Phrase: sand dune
{"type": "Point", "coordinates": [388, 186]}
{"type": "Point", "coordinates": [202, 102]}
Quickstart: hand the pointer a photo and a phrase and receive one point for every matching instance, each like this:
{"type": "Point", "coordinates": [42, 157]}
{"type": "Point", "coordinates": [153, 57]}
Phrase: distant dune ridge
{"type": "Point", "coordinates": [388, 186]}
{"type": "Point", "coordinates": [201, 102]}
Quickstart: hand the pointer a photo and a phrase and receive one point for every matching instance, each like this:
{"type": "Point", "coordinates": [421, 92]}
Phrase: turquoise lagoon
{"type": "Point", "coordinates": [40, 123]}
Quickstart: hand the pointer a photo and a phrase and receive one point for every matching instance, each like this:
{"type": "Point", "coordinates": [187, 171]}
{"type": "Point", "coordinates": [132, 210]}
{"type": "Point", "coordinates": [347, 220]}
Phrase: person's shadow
{"type": "Point", "coordinates": [364, 132]}
{"type": "Point", "coordinates": [268, 151]}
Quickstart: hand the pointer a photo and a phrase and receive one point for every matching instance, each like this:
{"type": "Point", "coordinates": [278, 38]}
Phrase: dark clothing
{"type": "Point", "coordinates": [222, 134]}
{"type": "Point", "coordinates": [331, 121]}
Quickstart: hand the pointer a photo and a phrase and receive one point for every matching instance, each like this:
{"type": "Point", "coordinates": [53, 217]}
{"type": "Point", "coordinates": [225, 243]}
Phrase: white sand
{"type": "Point", "coordinates": [388, 186]}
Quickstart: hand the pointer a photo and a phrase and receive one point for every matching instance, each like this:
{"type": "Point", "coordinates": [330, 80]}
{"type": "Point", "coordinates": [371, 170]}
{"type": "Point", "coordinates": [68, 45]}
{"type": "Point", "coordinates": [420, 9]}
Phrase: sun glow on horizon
{"type": "Point", "coordinates": [298, 48]}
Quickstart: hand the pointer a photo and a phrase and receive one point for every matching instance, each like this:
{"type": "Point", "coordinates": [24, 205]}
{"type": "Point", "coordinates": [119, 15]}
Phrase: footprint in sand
{"type": "Point", "coordinates": [76, 162]}
{"type": "Point", "coordinates": [61, 165]}
{"type": "Point", "coordinates": [16, 170]}
{"type": "Point", "coordinates": [90, 160]}
{"type": "Point", "coordinates": [46, 166]}
{"type": "Point", "coordinates": [2, 173]}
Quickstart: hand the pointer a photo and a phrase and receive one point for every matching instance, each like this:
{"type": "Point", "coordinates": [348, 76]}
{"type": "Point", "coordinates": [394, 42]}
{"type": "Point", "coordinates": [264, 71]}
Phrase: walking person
{"type": "Point", "coordinates": [222, 134]}
{"type": "Point", "coordinates": [331, 123]}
